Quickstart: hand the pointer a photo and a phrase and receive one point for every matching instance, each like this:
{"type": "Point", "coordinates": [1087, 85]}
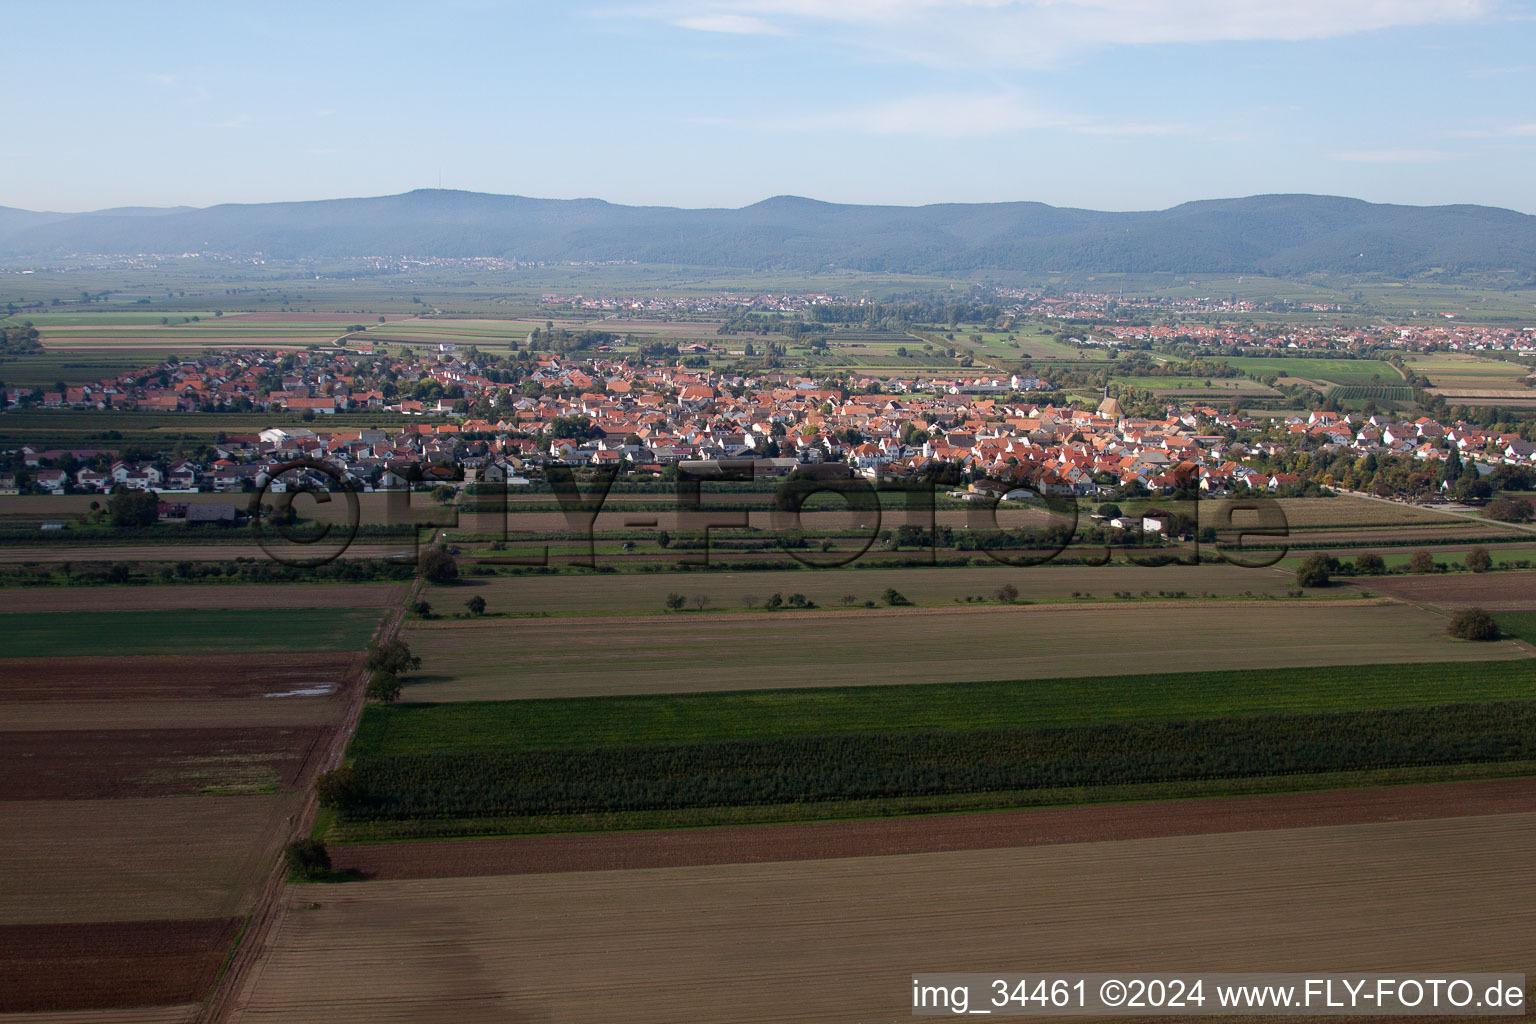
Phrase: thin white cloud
{"type": "Point", "coordinates": [732, 24]}
{"type": "Point", "coordinates": [1393, 156]}
{"type": "Point", "coordinates": [1512, 130]}
{"type": "Point", "coordinates": [963, 33]}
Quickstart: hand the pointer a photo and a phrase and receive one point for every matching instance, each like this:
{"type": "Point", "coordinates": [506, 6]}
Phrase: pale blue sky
{"type": "Point", "coordinates": [1108, 104]}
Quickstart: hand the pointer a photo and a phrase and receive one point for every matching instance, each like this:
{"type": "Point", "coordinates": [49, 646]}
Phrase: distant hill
{"type": "Point", "coordinates": [1277, 234]}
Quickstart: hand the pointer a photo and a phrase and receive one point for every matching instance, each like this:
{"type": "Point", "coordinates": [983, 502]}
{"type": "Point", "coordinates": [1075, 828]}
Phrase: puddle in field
{"type": "Point", "coordinates": [308, 691]}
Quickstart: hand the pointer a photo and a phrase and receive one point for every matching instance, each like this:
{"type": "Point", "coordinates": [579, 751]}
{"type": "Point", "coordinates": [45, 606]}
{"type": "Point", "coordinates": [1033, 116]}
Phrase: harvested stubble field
{"type": "Point", "coordinates": [136, 858]}
{"type": "Point", "coordinates": [568, 657]}
{"type": "Point", "coordinates": [836, 939]}
{"type": "Point", "coordinates": [188, 631]}
{"type": "Point", "coordinates": [1494, 592]}
{"type": "Point", "coordinates": [172, 598]}
{"type": "Point", "coordinates": [111, 964]}
{"type": "Point", "coordinates": [608, 594]}
{"type": "Point", "coordinates": [83, 556]}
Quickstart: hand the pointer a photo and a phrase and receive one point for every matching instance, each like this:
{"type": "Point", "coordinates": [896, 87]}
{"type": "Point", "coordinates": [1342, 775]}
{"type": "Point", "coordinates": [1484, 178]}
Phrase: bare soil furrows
{"type": "Point", "coordinates": [121, 963]}
{"type": "Point", "coordinates": [141, 677]}
{"type": "Point", "coordinates": [93, 764]}
{"type": "Point", "coordinates": [838, 940]}
{"type": "Point", "coordinates": [1495, 592]}
{"type": "Point", "coordinates": [937, 833]}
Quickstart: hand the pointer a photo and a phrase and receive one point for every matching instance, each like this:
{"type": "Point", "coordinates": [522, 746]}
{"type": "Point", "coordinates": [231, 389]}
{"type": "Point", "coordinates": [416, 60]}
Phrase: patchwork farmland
{"type": "Point", "coordinates": [153, 762]}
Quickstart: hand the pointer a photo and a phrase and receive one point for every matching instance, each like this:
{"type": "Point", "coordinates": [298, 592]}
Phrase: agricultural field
{"type": "Point", "coordinates": [375, 508]}
{"type": "Point", "coordinates": [41, 600]}
{"type": "Point", "coordinates": [645, 593]}
{"type": "Point", "coordinates": [494, 659]}
{"type": "Point", "coordinates": [1457, 371]}
{"type": "Point", "coordinates": [153, 761]}
{"type": "Point", "coordinates": [671, 760]}
{"type": "Point", "coordinates": [1193, 387]}
{"type": "Point", "coordinates": [1334, 371]}
{"type": "Point", "coordinates": [187, 631]}
{"type": "Point", "coordinates": [643, 945]}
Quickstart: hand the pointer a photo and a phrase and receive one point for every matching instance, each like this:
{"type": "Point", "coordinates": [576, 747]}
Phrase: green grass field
{"type": "Point", "coordinates": [1339, 371]}
{"type": "Point", "coordinates": [204, 631]}
{"type": "Point", "coordinates": [1518, 624]}
{"type": "Point", "coordinates": [1040, 703]}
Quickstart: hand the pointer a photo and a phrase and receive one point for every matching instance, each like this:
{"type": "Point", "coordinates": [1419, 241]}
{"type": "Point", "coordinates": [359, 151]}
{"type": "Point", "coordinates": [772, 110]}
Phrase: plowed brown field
{"type": "Point", "coordinates": [110, 964]}
{"type": "Point", "coordinates": [94, 764]}
{"type": "Point", "coordinates": [1038, 827]}
{"type": "Point", "coordinates": [1495, 592]}
{"type": "Point", "coordinates": [171, 678]}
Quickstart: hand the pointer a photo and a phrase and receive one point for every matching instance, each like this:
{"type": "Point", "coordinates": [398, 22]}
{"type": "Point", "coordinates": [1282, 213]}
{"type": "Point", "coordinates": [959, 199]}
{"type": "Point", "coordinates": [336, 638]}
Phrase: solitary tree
{"type": "Point", "coordinates": [437, 566]}
{"type": "Point", "coordinates": [476, 605]}
{"type": "Point", "coordinates": [700, 600]}
{"type": "Point", "coordinates": [307, 857]}
{"type": "Point", "coordinates": [675, 602]}
{"type": "Point", "coordinates": [894, 597]}
{"type": "Point", "coordinates": [383, 687]}
{"type": "Point", "coordinates": [750, 600]}
{"type": "Point", "coordinates": [1478, 560]}
{"type": "Point", "coordinates": [1420, 563]}
{"type": "Point", "coordinates": [393, 656]}
{"type": "Point", "coordinates": [422, 609]}
{"type": "Point", "coordinates": [1473, 624]}
{"type": "Point", "coordinates": [1008, 593]}
{"type": "Point", "coordinates": [339, 787]}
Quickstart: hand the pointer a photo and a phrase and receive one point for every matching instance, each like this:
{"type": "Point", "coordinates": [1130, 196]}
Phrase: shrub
{"type": "Point", "coordinates": [307, 857]}
{"type": "Point", "coordinates": [1473, 624]}
{"type": "Point", "coordinates": [1370, 564]}
{"type": "Point", "coordinates": [383, 687]}
{"type": "Point", "coordinates": [437, 566]}
{"type": "Point", "coordinates": [1509, 510]}
{"type": "Point", "coordinates": [1478, 560]}
{"type": "Point", "coordinates": [894, 597]}
{"type": "Point", "coordinates": [1315, 571]}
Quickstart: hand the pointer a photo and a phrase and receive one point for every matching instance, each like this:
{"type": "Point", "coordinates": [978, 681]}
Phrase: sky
{"type": "Point", "coordinates": [1105, 104]}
